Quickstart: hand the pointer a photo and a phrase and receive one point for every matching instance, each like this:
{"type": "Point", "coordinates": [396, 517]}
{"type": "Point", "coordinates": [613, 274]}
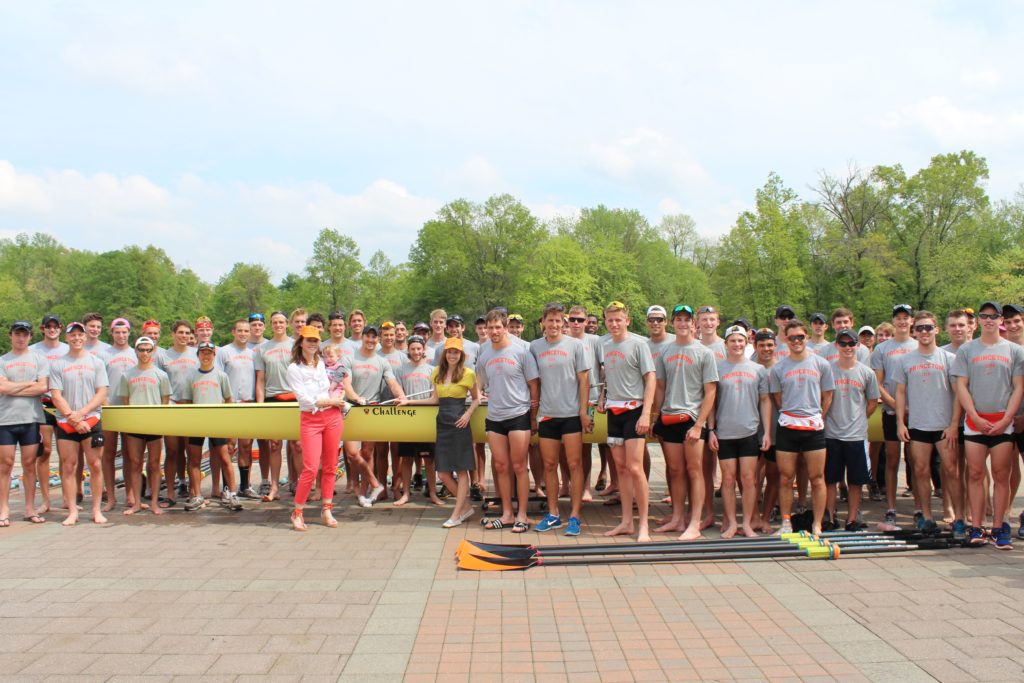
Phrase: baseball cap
{"type": "Point", "coordinates": [763, 333]}
{"type": "Point", "coordinates": [682, 308]}
{"type": "Point", "coordinates": [903, 308]}
{"type": "Point", "coordinates": [515, 316]}
{"type": "Point", "coordinates": [209, 345]}
{"type": "Point", "coordinates": [120, 322]}
{"type": "Point", "coordinates": [416, 339]}
{"type": "Point", "coordinates": [156, 323]}
{"type": "Point", "coordinates": [72, 326]}
{"type": "Point", "coordinates": [742, 322]}
{"type": "Point", "coordinates": [369, 329]}
{"type": "Point", "coordinates": [453, 343]}
{"type": "Point", "coordinates": [387, 325]}
{"type": "Point", "coordinates": [1012, 309]}
{"type": "Point", "coordinates": [310, 332]}
{"type": "Point", "coordinates": [818, 318]}
{"type": "Point", "coordinates": [867, 328]}
{"type": "Point", "coordinates": [47, 319]}
{"type": "Point", "coordinates": [480, 320]}
{"type": "Point", "coordinates": [144, 340]}
{"type": "Point", "coordinates": [656, 310]}
{"type": "Point", "coordinates": [784, 311]}
{"type": "Point", "coordinates": [455, 317]}
{"type": "Point", "coordinates": [421, 326]}
{"type": "Point", "coordinates": [21, 325]}
{"type": "Point", "coordinates": [736, 329]}
{"type": "Point", "coordinates": [990, 304]}
{"type": "Point", "coordinates": [846, 333]}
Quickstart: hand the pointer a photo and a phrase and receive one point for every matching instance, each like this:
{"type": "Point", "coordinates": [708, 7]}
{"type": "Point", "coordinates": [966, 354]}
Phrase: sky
{"type": "Point", "coordinates": [229, 132]}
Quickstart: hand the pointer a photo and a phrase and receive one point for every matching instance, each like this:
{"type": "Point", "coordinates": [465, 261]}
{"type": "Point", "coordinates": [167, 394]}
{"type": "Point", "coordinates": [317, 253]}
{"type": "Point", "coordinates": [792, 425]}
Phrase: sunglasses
{"type": "Point", "coordinates": [574, 319]}
{"type": "Point", "coordinates": [142, 350]}
{"type": "Point", "coordinates": [796, 337]}
{"type": "Point", "coordinates": [923, 328]}
{"type": "Point", "coordinates": [256, 316]}
{"type": "Point", "coordinates": [655, 320]}
{"type": "Point", "coordinates": [845, 344]}
{"type": "Point", "coordinates": [682, 308]}
{"type": "Point", "coordinates": [707, 309]}
{"type": "Point", "coordinates": [990, 316]}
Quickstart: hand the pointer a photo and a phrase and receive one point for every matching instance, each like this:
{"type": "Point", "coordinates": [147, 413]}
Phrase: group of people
{"type": "Point", "coordinates": [763, 409]}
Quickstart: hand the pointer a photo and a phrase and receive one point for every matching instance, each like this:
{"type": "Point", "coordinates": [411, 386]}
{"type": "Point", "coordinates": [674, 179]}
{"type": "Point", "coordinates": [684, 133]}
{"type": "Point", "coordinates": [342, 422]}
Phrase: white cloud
{"type": "Point", "coordinates": [956, 126]}
{"type": "Point", "coordinates": [649, 158]}
{"type": "Point", "coordinates": [982, 78]}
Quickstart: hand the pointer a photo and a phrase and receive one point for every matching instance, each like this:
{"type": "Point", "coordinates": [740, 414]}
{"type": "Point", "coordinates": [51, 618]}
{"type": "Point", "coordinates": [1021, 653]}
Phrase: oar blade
{"type": "Point", "coordinates": [474, 563]}
{"type": "Point", "coordinates": [491, 549]}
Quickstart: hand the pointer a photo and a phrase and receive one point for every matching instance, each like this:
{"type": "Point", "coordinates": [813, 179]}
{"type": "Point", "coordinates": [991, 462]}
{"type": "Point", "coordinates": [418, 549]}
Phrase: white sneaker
{"type": "Point", "coordinates": [234, 503]}
{"type": "Point", "coordinates": [364, 502]}
{"type": "Point", "coordinates": [374, 492]}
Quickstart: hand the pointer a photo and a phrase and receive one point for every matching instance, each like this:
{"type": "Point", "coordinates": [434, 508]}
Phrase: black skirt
{"type": "Point", "coordinates": [453, 451]}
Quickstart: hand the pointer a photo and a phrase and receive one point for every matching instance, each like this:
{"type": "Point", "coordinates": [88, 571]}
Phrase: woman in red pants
{"type": "Point", "coordinates": [320, 425]}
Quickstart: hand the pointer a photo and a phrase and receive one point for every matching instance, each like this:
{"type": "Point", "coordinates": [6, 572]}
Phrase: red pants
{"type": "Point", "coordinates": [319, 434]}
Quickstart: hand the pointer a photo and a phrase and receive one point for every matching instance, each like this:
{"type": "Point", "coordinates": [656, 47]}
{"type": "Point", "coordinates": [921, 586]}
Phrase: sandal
{"type": "Point", "coordinates": [520, 527]}
{"type": "Point", "coordinates": [4, 522]}
{"type": "Point", "coordinates": [35, 519]}
{"type": "Point", "coordinates": [325, 514]}
{"type": "Point", "coordinates": [298, 523]}
{"type": "Point", "coordinates": [492, 523]}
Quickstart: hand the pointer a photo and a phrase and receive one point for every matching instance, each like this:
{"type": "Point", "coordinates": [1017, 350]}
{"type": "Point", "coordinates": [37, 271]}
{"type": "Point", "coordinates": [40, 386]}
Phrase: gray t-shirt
{"type": "Point", "coordinates": [801, 384]}
{"type": "Point", "coordinates": [25, 367]}
{"type": "Point", "coordinates": [470, 348]}
{"type": "Point", "coordinates": [685, 369]}
{"type": "Point", "coordinates": [395, 358]}
{"type": "Point", "coordinates": [369, 375]}
{"type": "Point", "coordinates": [50, 354]}
{"type": "Point", "coordinates": [208, 388]}
{"type": "Point", "coordinates": [240, 367]}
{"type": "Point", "coordinates": [179, 366]}
{"type": "Point", "coordinates": [118, 362]}
{"type": "Point", "coordinates": [830, 352]}
{"type": "Point", "coordinates": [272, 359]}
{"type": "Point", "coordinates": [433, 346]}
{"type": "Point", "coordinates": [990, 371]}
{"type": "Point", "coordinates": [930, 388]}
{"type": "Point", "coordinates": [78, 380]}
{"type": "Point", "coordinates": [658, 347]}
{"type": "Point", "coordinates": [625, 364]}
{"type": "Point", "coordinates": [558, 365]}
{"type": "Point", "coordinates": [98, 349]}
{"type": "Point", "coordinates": [885, 357]}
{"type": "Point", "coordinates": [504, 374]}
{"type": "Point", "coordinates": [847, 418]}
{"type": "Point", "coordinates": [717, 349]}
{"type": "Point", "coordinates": [143, 387]}
{"type": "Point", "coordinates": [818, 348]}
{"type": "Point", "coordinates": [415, 379]}
{"type": "Point", "coordinates": [740, 388]}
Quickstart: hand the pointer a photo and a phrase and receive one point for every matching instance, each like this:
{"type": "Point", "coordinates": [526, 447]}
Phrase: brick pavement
{"type": "Point", "coordinates": [222, 596]}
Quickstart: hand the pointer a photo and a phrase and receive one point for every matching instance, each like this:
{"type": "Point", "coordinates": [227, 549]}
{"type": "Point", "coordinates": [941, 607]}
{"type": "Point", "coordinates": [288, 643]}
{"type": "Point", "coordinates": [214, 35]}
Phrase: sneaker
{"type": "Point", "coordinates": [371, 497]}
{"type": "Point", "coordinates": [573, 528]}
{"type": "Point", "coordinates": [364, 502]}
{"type": "Point", "coordinates": [1004, 540]}
{"type": "Point", "coordinates": [194, 503]}
{"type": "Point", "coordinates": [976, 537]}
{"type": "Point", "coordinates": [476, 494]}
{"type": "Point", "coordinates": [919, 520]}
{"type": "Point", "coordinates": [182, 489]}
{"type": "Point", "coordinates": [417, 481]}
{"type": "Point", "coordinates": [959, 530]}
{"type": "Point", "coordinates": [264, 488]}
{"type": "Point", "coordinates": [889, 523]}
{"type": "Point", "coordinates": [827, 524]}
{"type": "Point", "coordinates": [874, 493]}
{"type": "Point", "coordinates": [775, 515]}
{"type": "Point", "coordinates": [548, 523]}
{"type": "Point", "coordinates": [224, 498]}
{"type": "Point", "coordinates": [250, 494]}
{"type": "Point", "coordinates": [1020, 531]}
{"type": "Point", "coordinates": [233, 503]}
{"type": "Point", "coordinates": [786, 527]}
{"type": "Point", "coordinates": [856, 525]}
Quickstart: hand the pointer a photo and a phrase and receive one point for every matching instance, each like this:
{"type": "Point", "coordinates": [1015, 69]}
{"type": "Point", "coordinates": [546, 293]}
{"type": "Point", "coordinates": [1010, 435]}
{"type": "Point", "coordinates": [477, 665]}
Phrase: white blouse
{"type": "Point", "coordinates": [309, 384]}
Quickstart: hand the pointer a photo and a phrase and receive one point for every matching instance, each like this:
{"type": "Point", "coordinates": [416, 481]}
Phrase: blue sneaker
{"type": "Point", "coordinates": [1003, 538]}
{"type": "Point", "coordinates": [1020, 531]}
{"type": "Point", "coordinates": [976, 536]}
{"type": "Point", "coordinates": [959, 530]}
{"type": "Point", "coordinates": [573, 529]}
{"type": "Point", "coordinates": [548, 523]}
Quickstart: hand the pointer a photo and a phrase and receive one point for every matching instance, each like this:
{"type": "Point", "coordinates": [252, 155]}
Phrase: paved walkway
{"type": "Point", "coordinates": [238, 596]}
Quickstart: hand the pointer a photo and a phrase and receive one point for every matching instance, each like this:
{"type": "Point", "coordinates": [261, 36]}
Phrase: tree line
{"type": "Point", "coordinates": [865, 239]}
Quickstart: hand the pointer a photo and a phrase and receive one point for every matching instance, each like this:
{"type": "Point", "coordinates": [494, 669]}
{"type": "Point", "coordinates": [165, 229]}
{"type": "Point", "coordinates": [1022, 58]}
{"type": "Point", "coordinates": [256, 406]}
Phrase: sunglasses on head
{"type": "Point", "coordinates": [256, 316]}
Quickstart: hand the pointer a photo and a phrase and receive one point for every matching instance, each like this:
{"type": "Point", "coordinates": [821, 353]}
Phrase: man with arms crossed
{"type": "Point", "coordinates": [628, 399]}
{"type": "Point", "coordinates": [23, 379]}
{"type": "Point", "coordinates": [178, 362]}
{"type": "Point", "coordinates": [238, 362]}
{"type": "Point", "coordinates": [51, 348]}
{"type": "Point", "coordinates": [563, 415]}
{"type": "Point", "coordinates": [801, 385]}
{"type": "Point", "coordinates": [119, 357]}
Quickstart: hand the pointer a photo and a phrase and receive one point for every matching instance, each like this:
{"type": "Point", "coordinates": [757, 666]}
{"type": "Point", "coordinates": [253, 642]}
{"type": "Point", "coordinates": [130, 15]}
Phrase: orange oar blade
{"type": "Point", "coordinates": [490, 550]}
{"type": "Point", "coordinates": [493, 564]}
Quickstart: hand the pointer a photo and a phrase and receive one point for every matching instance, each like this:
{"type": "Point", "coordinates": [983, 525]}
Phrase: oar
{"type": "Point", "coordinates": [394, 400]}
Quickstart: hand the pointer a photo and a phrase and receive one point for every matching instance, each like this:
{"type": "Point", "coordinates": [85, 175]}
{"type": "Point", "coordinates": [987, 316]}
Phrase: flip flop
{"type": "Point", "coordinates": [520, 527]}
{"type": "Point", "coordinates": [165, 503]}
{"type": "Point", "coordinates": [492, 523]}
{"type": "Point", "coordinates": [4, 522]}
{"type": "Point", "coordinates": [35, 519]}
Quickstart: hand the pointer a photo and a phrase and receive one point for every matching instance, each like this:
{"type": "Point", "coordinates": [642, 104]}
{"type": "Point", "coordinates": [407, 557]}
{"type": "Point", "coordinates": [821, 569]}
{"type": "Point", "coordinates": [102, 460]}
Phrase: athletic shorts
{"type": "Point", "coordinates": [676, 433]}
{"type": "Point", "coordinates": [557, 427]}
{"type": "Point", "coordinates": [1019, 438]}
{"type": "Point", "coordinates": [769, 454]}
{"type": "Point", "coordinates": [415, 450]}
{"type": "Point", "coordinates": [799, 440]}
{"type": "Point", "coordinates": [142, 437]}
{"type": "Point", "coordinates": [623, 425]}
{"type": "Point", "coordinates": [214, 443]}
{"type": "Point", "coordinates": [922, 436]}
{"type": "Point", "coordinates": [520, 423]}
{"type": "Point", "coordinates": [96, 435]}
{"type": "Point", "coordinates": [988, 440]}
{"type": "Point", "coordinates": [51, 419]}
{"type": "Point", "coordinates": [889, 427]}
{"type": "Point", "coordinates": [26, 434]}
{"type": "Point", "coordinates": [745, 447]}
{"type": "Point", "coordinates": [846, 461]}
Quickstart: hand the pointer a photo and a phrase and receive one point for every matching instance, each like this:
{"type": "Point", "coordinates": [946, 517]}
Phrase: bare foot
{"type": "Point", "coordinates": [667, 500]}
{"type": "Point", "coordinates": [132, 510]}
{"type": "Point", "coordinates": [145, 506]}
{"type": "Point", "coordinates": [729, 531]}
{"type": "Point", "coordinates": [748, 531]}
{"type": "Point", "coordinates": [668, 526]}
{"type": "Point", "coordinates": [588, 496]}
{"type": "Point", "coordinates": [65, 507]}
{"type": "Point", "coordinates": [691, 534]}
{"type": "Point", "coordinates": [109, 506]}
{"type": "Point", "coordinates": [621, 530]}
{"type": "Point", "coordinates": [815, 531]}
{"type": "Point", "coordinates": [70, 520]}
{"type": "Point", "coordinates": [98, 518]}
{"type": "Point", "coordinates": [438, 502]}
{"type": "Point", "coordinates": [155, 509]}
{"type": "Point", "coordinates": [610, 492]}
{"type": "Point", "coordinates": [707, 523]}
{"type": "Point", "coordinates": [401, 501]}
{"type": "Point", "coordinates": [43, 510]}
{"type": "Point", "coordinates": [563, 492]}
{"type": "Point", "coordinates": [643, 537]}
{"type": "Point", "coordinates": [314, 496]}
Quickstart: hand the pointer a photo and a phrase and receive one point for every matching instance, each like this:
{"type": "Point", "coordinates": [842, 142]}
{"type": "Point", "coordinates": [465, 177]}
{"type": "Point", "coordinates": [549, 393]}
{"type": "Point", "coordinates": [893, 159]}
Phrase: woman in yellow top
{"type": "Point", "coordinates": [453, 452]}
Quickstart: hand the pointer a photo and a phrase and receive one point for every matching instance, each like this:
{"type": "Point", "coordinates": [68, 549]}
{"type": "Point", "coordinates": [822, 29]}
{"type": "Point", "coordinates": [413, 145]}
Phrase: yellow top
{"type": "Point", "coordinates": [459, 390]}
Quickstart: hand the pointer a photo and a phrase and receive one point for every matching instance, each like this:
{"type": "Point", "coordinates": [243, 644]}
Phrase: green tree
{"type": "Point", "coordinates": [334, 269]}
{"type": "Point", "coordinates": [245, 289]}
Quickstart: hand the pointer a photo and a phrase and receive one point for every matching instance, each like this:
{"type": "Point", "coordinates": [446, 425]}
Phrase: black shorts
{"type": "Point", "coordinates": [769, 454]}
{"type": "Point", "coordinates": [557, 427]}
{"type": "Point", "coordinates": [519, 423]}
{"type": "Point", "coordinates": [846, 461]}
{"type": "Point", "coordinates": [142, 437]}
{"type": "Point", "coordinates": [988, 440]}
{"type": "Point", "coordinates": [889, 427]}
{"type": "Point", "coordinates": [799, 440]}
{"type": "Point", "coordinates": [623, 425]}
{"type": "Point", "coordinates": [214, 442]}
{"type": "Point", "coordinates": [1019, 438]}
{"type": "Point", "coordinates": [415, 450]}
{"type": "Point", "coordinates": [676, 433]}
{"type": "Point", "coordinates": [51, 419]}
{"type": "Point", "coordinates": [25, 434]}
{"type": "Point", "coordinates": [925, 436]}
{"type": "Point", "coordinates": [96, 434]}
{"type": "Point", "coordinates": [745, 447]}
